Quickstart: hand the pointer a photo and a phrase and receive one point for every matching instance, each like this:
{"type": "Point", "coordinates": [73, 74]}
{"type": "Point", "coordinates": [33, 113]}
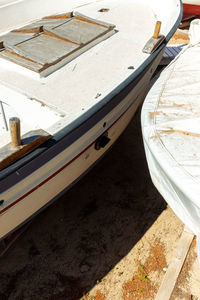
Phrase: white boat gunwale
{"type": "Point", "coordinates": [67, 135]}
{"type": "Point", "coordinates": [93, 116]}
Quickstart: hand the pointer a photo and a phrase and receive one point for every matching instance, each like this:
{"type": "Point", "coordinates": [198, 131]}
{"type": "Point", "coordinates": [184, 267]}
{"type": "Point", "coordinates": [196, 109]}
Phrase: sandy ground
{"type": "Point", "coordinates": [111, 237]}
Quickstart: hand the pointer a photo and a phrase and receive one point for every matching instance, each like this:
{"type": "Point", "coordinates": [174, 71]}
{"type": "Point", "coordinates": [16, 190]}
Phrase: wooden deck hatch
{"type": "Point", "coordinates": [48, 44]}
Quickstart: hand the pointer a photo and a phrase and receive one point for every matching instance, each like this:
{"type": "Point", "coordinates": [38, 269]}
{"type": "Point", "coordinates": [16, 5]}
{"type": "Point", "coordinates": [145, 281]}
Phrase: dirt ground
{"type": "Point", "coordinates": [111, 237]}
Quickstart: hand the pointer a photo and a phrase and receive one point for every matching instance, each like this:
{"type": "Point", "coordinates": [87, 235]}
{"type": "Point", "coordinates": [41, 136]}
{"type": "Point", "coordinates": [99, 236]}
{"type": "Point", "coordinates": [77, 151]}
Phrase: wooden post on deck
{"type": "Point", "coordinates": [14, 124]}
{"type": "Point", "coordinates": [157, 30]}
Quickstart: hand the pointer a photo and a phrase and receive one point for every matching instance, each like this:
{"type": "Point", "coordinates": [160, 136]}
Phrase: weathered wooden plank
{"type": "Point", "coordinates": [60, 16]}
{"type": "Point", "coordinates": [37, 27]}
{"type": "Point", "coordinates": [55, 34]}
{"type": "Point", "coordinates": [67, 58]}
{"type": "Point", "coordinates": [29, 141]}
{"type": "Point", "coordinates": [46, 49]}
{"type": "Point", "coordinates": [99, 22]}
{"type": "Point", "coordinates": [53, 41]}
{"type": "Point", "coordinates": [13, 38]}
{"type": "Point", "coordinates": [22, 52]}
{"type": "Point", "coordinates": [175, 266]}
{"type": "Point", "coordinates": [170, 53]}
{"type": "Point", "coordinates": [30, 29]}
{"type": "Point", "coordinates": [13, 57]}
{"type": "Point", "coordinates": [79, 31]}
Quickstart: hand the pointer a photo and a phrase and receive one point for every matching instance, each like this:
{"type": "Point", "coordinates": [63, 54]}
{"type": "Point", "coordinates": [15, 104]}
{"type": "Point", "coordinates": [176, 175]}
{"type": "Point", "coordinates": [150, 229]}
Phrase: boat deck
{"type": "Point", "coordinates": [73, 89]}
{"type": "Point", "coordinates": [127, 43]}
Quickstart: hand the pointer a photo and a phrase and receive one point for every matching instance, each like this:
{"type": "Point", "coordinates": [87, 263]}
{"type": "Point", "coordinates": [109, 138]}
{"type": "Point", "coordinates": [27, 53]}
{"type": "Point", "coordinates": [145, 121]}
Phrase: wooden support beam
{"type": "Point", "coordinates": [175, 266]}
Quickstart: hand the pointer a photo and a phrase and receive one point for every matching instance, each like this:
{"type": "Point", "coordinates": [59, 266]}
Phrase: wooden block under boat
{"type": "Point", "coordinates": [29, 141]}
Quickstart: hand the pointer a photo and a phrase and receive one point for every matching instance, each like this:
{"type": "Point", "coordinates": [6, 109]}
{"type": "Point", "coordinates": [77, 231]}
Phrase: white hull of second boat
{"type": "Point", "coordinates": [171, 134]}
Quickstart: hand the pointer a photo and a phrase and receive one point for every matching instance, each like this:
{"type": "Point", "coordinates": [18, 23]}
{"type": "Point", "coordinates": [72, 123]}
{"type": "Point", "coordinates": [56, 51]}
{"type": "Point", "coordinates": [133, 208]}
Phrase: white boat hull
{"type": "Point", "coordinates": [33, 182]}
{"type": "Point", "coordinates": [36, 191]}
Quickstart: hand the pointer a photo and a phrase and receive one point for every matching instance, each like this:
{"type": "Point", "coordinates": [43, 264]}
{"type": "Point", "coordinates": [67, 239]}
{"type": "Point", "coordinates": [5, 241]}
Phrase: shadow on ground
{"type": "Point", "coordinates": [81, 237]}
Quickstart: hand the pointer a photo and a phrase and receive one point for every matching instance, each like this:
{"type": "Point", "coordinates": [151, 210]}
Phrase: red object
{"type": "Point", "coordinates": [191, 10]}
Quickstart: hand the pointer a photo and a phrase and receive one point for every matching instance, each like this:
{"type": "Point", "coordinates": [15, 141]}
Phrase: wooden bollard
{"type": "Point", "coordinates": [157, 30]}
{"type": "Point", "coordinates": [14, 124]}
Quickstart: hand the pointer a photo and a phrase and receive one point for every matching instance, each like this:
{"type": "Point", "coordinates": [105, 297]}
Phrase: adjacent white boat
{"type": "Point", "coordinates": [74, 73]}
{"type": "Point", "coordinates": [171, 133]}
